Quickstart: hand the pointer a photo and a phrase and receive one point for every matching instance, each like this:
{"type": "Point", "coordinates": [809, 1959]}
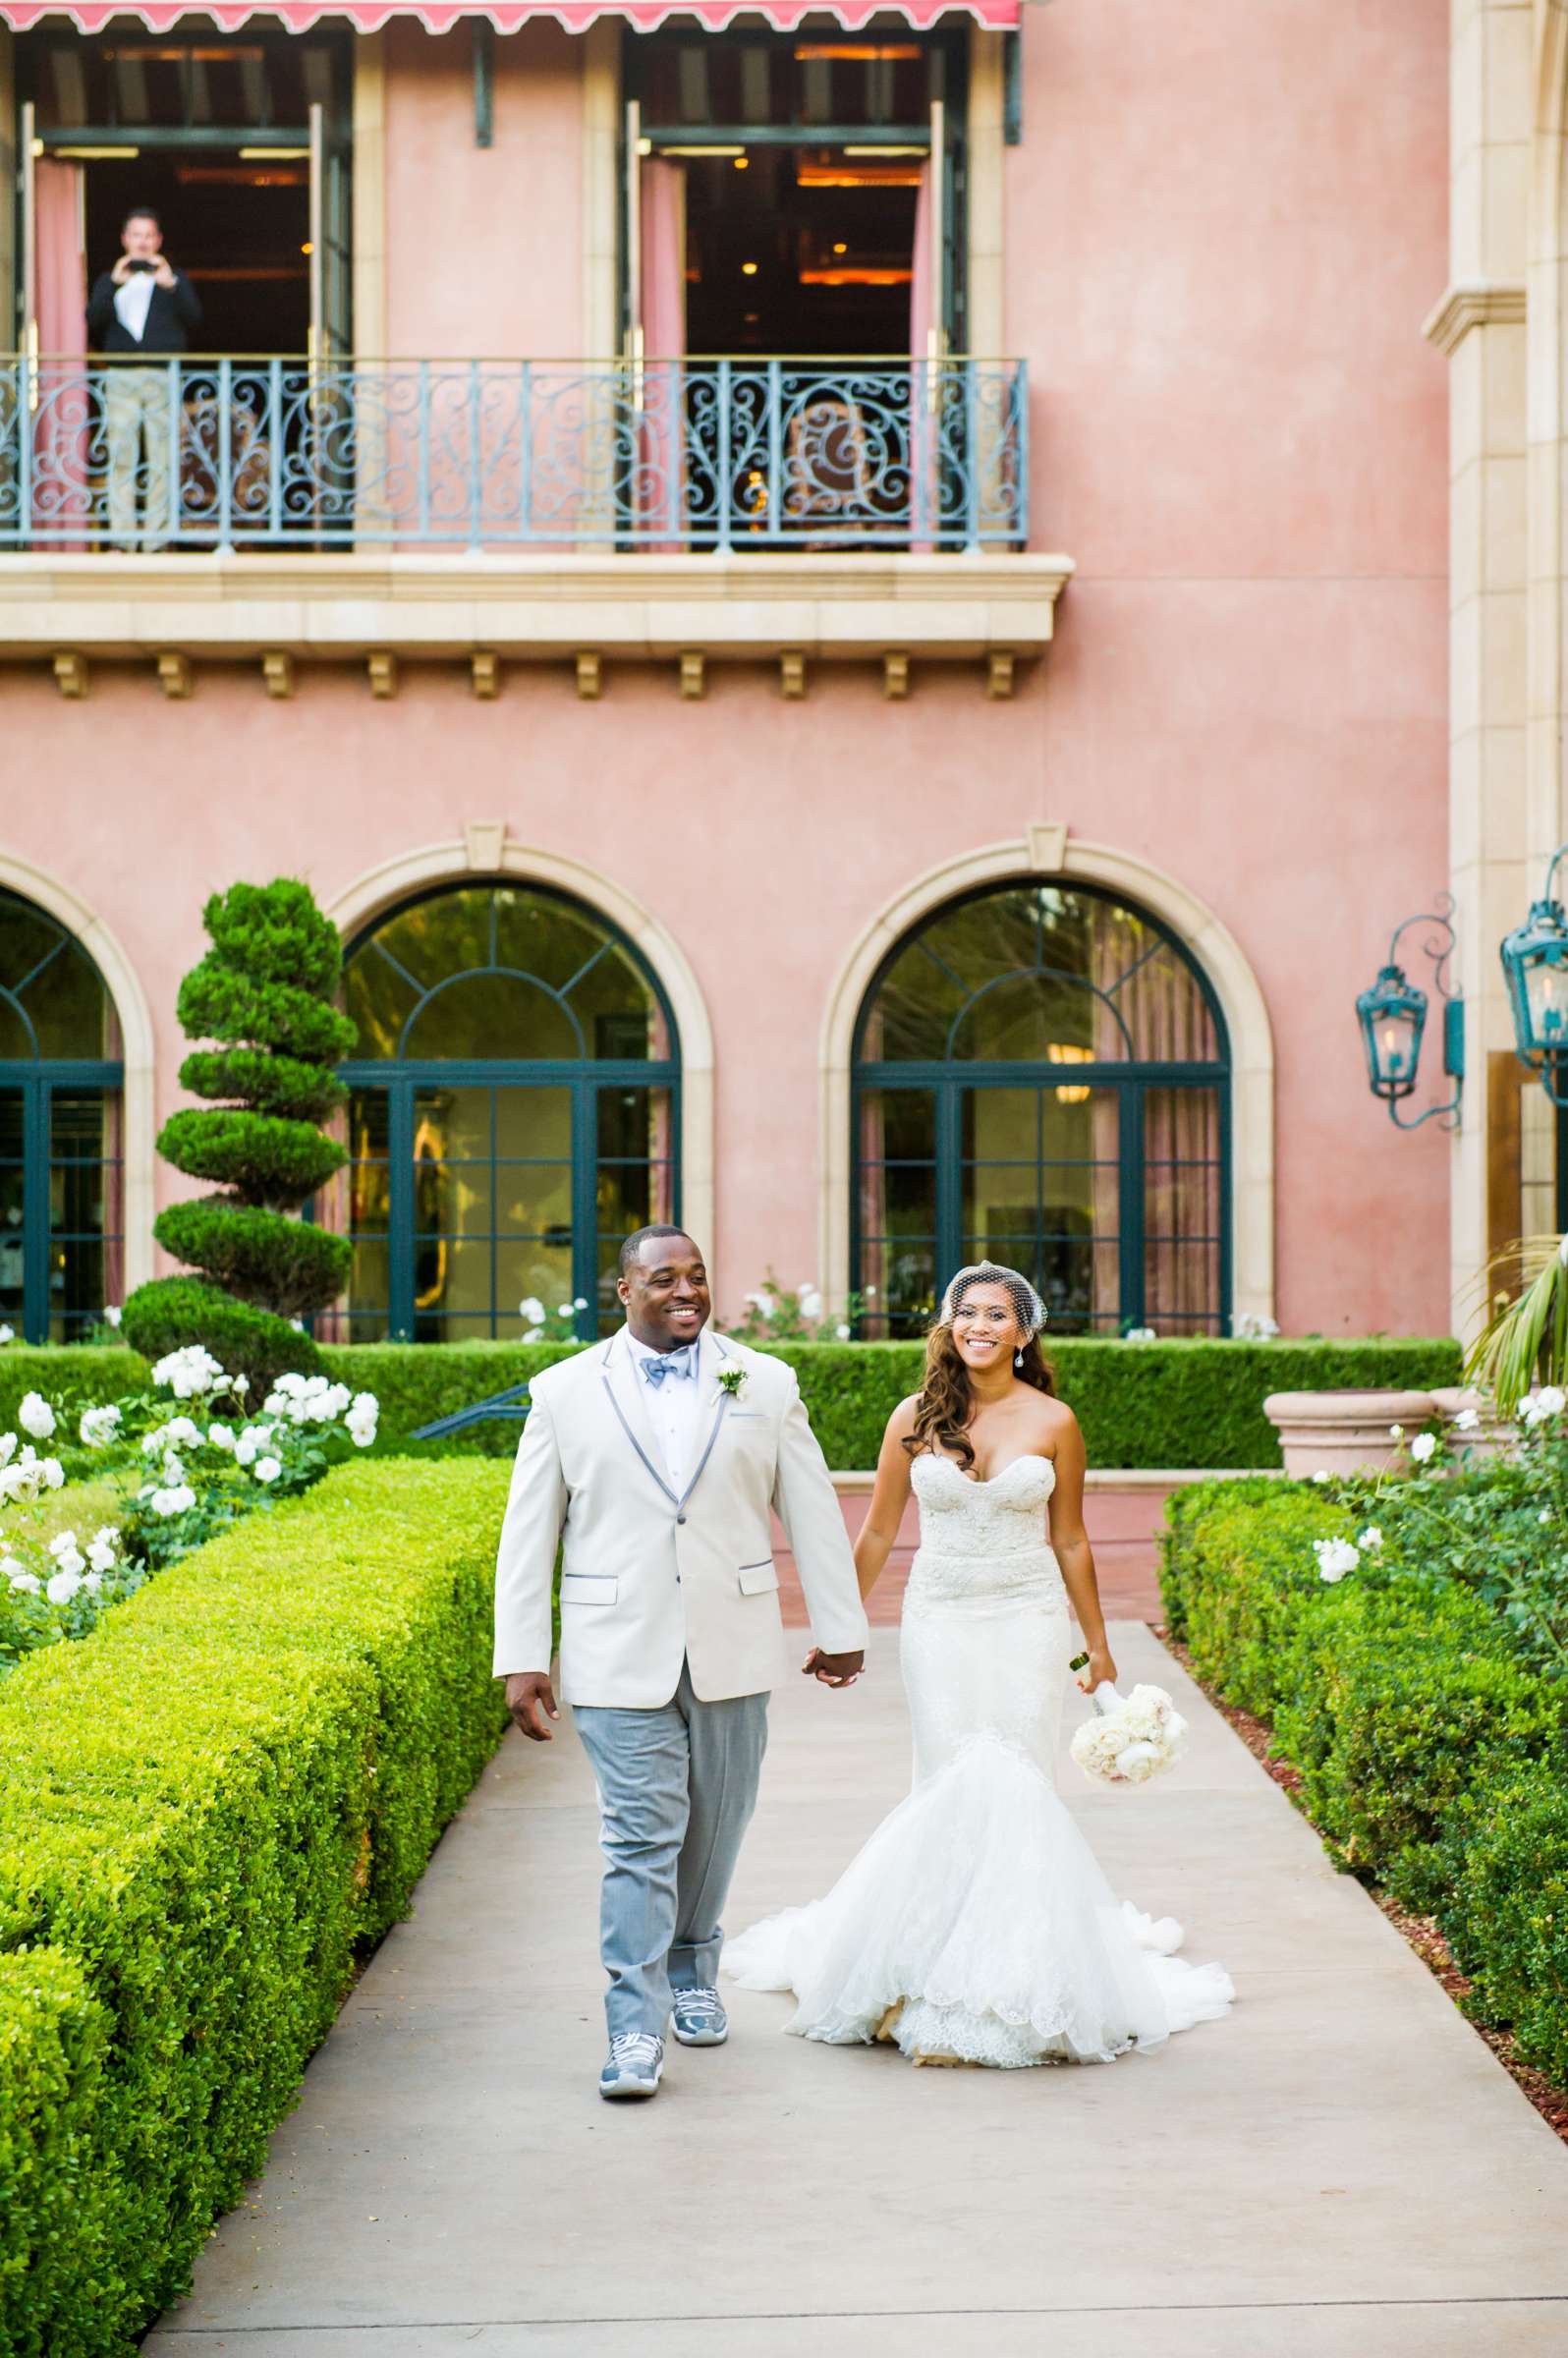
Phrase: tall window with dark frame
{"type": "Point", "coordinates": [60, 1158]}
{"type": "Point", "coordinates": [1042, 1078]}
{"type": "Point", "coordinates": [513, 1113]}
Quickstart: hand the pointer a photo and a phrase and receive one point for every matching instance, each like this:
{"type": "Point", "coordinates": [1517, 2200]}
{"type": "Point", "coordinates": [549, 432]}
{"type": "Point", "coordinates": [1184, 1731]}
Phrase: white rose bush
{"type": "Point", "coordinates": [187, 1460]}
{"type": "Point", "coordinates": [1498, 1526]}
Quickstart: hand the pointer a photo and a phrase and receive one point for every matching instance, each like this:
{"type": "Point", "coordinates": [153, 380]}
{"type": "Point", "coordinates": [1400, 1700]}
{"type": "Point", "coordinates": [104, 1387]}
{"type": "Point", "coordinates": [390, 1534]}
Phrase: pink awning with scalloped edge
{"type": "Point", "coordinates": [439, 16]}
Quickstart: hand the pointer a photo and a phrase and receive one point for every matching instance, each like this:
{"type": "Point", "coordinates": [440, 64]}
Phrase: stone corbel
{"type": "Point", "coordinates": [484, 675]}
{"type": "Point", "coordinates": [71, 674]}
{"type": "Point", "coordinates": [174, 673]}
{"type": "Point", "coordinates": [277, 673]}
{"type": "Point", "coordinates": [693, 675]}
{"type": "Point", "coordinates": [384, 670]}
{"type": "Point", "coordinates": [590, 676]}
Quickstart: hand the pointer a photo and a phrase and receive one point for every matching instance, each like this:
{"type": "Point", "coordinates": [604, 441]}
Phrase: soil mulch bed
{"type": "Point", "coordinates": [1420, 1931]}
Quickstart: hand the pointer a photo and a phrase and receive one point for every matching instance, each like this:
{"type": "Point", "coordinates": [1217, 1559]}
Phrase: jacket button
{"type": "Point", "coordinates": [679, 1518]}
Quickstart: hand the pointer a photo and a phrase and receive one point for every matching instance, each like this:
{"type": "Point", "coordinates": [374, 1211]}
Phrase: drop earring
{"type": "Point", "coordinates": [1018, 1359]}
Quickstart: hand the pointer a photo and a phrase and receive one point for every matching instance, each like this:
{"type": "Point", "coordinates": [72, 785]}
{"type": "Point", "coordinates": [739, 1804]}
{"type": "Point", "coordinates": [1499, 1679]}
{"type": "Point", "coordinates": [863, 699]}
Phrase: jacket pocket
{"type": "Point", "coordinates": [589, 1588]}
{"type": "Point", "coordinates": [757, 1578]}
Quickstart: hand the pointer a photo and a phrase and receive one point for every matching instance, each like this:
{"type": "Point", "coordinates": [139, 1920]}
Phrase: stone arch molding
{"type": "Point", "coordinates": [484, 851]}
{"type": "Point", "coordinates": [138, 1097]}
{"type": "Point", "coordinates": [1049, 853]}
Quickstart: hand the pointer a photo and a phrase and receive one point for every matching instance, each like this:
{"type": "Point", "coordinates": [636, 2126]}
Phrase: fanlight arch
{"type": "Point", "coordinates": [1041, 1076]}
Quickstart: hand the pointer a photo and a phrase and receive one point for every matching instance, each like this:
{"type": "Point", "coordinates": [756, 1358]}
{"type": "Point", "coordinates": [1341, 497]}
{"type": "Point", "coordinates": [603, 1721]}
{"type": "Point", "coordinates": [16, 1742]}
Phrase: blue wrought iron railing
{"type": "Point", "coordinates": [725, 455]}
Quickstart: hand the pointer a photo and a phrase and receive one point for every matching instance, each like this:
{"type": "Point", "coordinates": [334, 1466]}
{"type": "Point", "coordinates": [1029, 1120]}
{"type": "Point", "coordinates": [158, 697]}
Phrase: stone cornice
{"type": "Point", "coordinates": [528, 607]}
{"type": "Point", "coordinates": [1472, 303]}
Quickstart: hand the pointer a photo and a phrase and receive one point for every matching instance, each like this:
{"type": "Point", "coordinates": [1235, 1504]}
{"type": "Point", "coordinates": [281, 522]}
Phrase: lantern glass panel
{"type": "Point", "coordinates": [1546, 997]}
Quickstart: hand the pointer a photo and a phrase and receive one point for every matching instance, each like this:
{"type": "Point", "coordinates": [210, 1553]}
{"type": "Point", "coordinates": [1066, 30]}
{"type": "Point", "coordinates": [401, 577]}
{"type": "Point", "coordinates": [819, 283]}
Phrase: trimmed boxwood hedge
{"type": "Point", "coordinates": [209, 1807]}
{"type": "Point", "coordinates": [1140, 1404]}
{"type": "Point", "coordinates": [1432, 1755]}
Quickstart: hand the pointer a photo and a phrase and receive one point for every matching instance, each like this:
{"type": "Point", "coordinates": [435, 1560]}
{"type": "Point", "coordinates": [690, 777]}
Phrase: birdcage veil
{"type": "Point", "coordinates": [1026, 1303]}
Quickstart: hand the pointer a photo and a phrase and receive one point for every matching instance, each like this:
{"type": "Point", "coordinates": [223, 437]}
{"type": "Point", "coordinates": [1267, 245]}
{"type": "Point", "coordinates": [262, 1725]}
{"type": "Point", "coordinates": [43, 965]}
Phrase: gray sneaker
{"type": "Point", "coordinates": [699, 2018]}
{"type": "Point", "coordinates": [635, 2066]}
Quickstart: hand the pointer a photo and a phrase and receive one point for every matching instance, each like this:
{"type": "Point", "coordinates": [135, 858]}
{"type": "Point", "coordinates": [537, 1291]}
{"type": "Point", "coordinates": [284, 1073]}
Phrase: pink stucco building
{"type": "Point", "coordinates": [894, 712]}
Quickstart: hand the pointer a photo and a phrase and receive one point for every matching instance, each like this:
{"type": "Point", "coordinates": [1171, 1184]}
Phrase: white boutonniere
{"type": "Point", "coordinates": [733, 1381]}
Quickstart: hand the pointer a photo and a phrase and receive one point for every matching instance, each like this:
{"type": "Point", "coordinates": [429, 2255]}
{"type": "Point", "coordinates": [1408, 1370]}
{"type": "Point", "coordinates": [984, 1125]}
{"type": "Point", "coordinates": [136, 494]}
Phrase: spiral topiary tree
{"type": "Point", "coordinates": [264, 992]}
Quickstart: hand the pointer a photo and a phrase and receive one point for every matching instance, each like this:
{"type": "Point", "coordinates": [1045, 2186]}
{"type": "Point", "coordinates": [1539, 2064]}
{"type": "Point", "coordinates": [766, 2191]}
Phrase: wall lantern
{"type": "Point", "coordinates": [1534, 964]}
{"type": "Point", "coordinates": [1393, 1017]}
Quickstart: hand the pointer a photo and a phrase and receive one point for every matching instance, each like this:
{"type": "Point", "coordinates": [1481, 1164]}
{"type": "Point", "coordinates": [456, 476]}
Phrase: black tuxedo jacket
{"type": "Point", "coordinates": [171, 315]}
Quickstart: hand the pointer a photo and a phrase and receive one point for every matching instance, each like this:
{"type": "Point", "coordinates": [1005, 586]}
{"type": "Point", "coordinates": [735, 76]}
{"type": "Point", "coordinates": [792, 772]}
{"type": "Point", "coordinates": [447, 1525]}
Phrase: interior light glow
{"type": "Point", "coordinates": [868, 52]}
{"type": "Point", "coordinates": [748, 270]}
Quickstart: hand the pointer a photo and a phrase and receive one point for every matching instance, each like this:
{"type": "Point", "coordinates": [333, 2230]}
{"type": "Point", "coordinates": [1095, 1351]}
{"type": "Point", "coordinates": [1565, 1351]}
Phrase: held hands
{"type": "Point", "coordinates": [528, 1693]}
{"type": "Point", "coordinates": [121, 270]}
{"type": "Point", "coordinates": [1098, 1669]}
{"type": "Point", "coordinates": [833, 1669]}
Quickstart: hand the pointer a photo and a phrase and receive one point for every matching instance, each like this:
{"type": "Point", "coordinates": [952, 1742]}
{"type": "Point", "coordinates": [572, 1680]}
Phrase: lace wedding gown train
{"type": "Point", "coordinates": [976, 1925]}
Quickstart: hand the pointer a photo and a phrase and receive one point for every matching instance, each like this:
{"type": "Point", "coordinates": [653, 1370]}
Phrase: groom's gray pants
{"type": "Point", "coordinates": [677, 1788]}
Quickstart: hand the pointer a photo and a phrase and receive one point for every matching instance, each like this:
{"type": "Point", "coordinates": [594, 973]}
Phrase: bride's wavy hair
{"type": "Point", "coordinates": [946, 1402]}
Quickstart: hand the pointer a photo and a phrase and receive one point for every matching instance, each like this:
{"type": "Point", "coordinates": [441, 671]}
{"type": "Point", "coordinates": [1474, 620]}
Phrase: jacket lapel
{"type": "Point", "coordinates": [710, 1360]}
{"type": "Point", "coordinates": [628, 1397]}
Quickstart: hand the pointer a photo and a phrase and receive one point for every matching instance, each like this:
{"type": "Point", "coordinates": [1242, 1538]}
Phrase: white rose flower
{"type": "Point", "coordinates": [1544, 1515]}
{"type": "Point", "coordinates": [8, 1447]}
{"type": "Point", "coordinates": [533, 1334]}
{"type": "Point", "coordinates": [1423, 1448]}
{"type": "Point", "coordinates": [101, 1552]}
{"type": "Point", "coordinates": [1321, 1474]}
{"type": "Point", "coordinates": [267, 1469]}
{"type": "Point", "coordinates": [1396, 1433]}
{"type": "Point", "coordinates": [92, 1582]}
{"type": "Point", "coordinates": [100, 1426]}
{"type": "Point", "coordinates": [62, 1587]}
{"type": "Point", "coordinates": [1140, 1334]}
{"type": "Point", "coordinates": [581, 1303]}
{"type": "Point", "coordinates": [183, 1434]}
{"type": "Point", "coordinates": [7, 1334]}
{"type": "Point", "coordinates": [51, 1472]}
{"type": "Point", "coordinates": [1335, 1557]}
{"type": "Point", "coordinates": [112, 1314]}
{"type": "Point", "coordinates": [843, 1333]}
{"type": "Point", "coordinates": [1562, 1251]}
{"type": "Point", "coordinates": [36, 1415]}
{"type": "Point", "coordinates": [28, 1584]}
{"type": "Point", "coordinates": [531, 1310]}
{"type": "Point", "coordinates": [220, 1437]}
{"type": "Point", "coordinates": [1551, 1400]}
{"type": "Point", "coordinates": [1467, 1421]}
{"type": "Point", "coordinates": [1372, 1536]}
{"type": "Point", "coordinates": [173, 1468]}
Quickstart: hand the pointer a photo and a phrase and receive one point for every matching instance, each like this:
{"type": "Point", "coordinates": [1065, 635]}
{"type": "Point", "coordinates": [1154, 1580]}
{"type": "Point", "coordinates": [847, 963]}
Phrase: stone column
{"type": "Point", "coordinates": [1479, 323]}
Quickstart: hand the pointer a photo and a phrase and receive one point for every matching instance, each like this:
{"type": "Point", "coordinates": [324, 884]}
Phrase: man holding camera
{"type": "Point", "coordinates": [141, 312]}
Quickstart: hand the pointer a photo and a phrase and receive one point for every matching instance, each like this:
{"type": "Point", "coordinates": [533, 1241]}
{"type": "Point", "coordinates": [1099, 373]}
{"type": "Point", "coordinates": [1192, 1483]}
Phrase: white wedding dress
{"type": "Point", "coordinates": [976, 1925]}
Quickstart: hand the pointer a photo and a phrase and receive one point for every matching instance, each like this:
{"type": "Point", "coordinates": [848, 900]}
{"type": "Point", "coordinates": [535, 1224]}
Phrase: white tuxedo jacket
{"type": "Point", "coordinates": [649, 1578]}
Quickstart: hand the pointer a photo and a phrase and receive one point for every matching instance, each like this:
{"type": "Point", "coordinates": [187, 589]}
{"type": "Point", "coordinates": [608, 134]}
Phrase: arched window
{"type": "Point", "coordinates": [61, 1166]}
{"type": "Point", "coordinates": [1042, 1078]}
{"type": "Point", "coordinates": [512, 1114]}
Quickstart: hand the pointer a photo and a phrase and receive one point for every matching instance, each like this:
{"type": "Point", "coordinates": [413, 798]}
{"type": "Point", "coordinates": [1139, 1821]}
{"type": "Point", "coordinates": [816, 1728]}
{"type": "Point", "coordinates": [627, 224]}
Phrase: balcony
{"type": "Point", "coordinates": [649, 508]}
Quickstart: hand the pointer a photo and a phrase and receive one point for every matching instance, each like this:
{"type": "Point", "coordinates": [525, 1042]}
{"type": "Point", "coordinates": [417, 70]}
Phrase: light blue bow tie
{"type": "Point", "coordinates": [680, 1361]}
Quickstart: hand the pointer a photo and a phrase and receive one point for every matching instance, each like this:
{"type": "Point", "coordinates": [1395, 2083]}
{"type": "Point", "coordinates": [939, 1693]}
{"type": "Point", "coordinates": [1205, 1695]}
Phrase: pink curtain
{"type": "Point", "coordinates": [61, 492]}
{"type": "Point", "coordinates": [923, 381]}
{"type": "Point", "coordinates": [663, 402]}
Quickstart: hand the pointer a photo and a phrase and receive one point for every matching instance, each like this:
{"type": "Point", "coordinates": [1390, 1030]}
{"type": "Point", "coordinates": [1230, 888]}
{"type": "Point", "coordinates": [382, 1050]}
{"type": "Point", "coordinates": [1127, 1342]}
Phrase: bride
{"type": "Point", "coordinates": [976, 1926]}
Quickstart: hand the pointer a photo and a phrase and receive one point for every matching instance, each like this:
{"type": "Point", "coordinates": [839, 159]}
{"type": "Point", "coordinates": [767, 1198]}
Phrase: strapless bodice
{"type": "Point", "coordinates": [981, 1538]}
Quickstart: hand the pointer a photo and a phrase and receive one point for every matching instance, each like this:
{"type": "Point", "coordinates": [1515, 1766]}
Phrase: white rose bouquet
{"type": "Point", "coordinates": [1131, 1738]}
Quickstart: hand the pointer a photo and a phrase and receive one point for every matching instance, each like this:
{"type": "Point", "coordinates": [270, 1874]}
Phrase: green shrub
{"type": "Point", "coordinates": [265, 991]}
{"type": "Point", "coordinates": [1506, 1908]}
{"type": "Point", "coordinates": [53, 2034]}
{"type": "Point", "coordinates": [210, 1805]}
{"type": "Point", "coordinates": [1240, 1580]}
{"type": "Point", "coordinates": [1140, 1404]}
{"type": "Point", "coordinates": [1433, 1750]}
{"type": "Point", "coordinates": [1405, 1703]}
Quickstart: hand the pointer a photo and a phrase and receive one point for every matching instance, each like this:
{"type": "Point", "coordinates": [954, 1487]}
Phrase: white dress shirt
{"type": "Point", "coordinates": [132, 303]}
{"type": "Point", "coordinates": [672, 1410]}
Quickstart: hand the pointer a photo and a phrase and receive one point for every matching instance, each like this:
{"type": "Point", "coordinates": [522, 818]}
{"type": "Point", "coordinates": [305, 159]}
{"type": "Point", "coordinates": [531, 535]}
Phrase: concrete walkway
{"type": "Point", "coordinates": [1340, 2167]}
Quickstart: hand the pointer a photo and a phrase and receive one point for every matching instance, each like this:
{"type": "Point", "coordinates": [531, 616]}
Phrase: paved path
{"type": "Point", "coordinates": [1339, 2168]}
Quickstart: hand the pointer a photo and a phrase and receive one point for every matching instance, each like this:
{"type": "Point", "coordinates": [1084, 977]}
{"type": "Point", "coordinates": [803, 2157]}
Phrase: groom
{"type": "Point", "coordinates": [658, 1455]}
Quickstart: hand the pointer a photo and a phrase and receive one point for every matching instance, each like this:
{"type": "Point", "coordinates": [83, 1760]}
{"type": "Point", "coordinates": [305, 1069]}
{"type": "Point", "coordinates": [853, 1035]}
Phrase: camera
{"type": "Point", "coordinates": [139, 261]}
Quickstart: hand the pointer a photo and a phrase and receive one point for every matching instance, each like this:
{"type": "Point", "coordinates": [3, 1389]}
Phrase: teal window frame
{"type": "Point", "coordinates": [951, 1076]}
{"type": "Point", "coordinates": [588, 1079]}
